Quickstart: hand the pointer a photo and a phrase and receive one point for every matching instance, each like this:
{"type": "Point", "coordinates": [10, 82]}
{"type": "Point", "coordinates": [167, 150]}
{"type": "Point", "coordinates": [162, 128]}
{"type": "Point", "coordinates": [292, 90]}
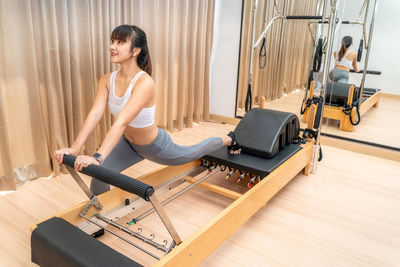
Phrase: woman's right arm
{"type": "Point", "coordinates": [95, 114]}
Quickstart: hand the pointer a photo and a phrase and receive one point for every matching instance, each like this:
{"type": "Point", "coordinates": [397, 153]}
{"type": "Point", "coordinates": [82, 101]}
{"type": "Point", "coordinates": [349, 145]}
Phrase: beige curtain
{"type": "Point", "coordinates": [288, 46]}
{"type": "Point", "coordinates": [53, 52]}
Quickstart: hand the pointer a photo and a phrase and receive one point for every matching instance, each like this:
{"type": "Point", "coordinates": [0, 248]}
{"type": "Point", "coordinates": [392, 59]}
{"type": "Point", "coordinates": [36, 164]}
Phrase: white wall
{"type": "Point", "coordinates": [225, 56]}
{"type": "Point", "coordinates": [385, 54]}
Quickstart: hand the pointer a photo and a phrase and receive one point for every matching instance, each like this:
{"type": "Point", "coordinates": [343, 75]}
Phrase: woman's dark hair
{"type": "Point", "coordinates": [346, 43]}
{"type": "Point", "coordinates": [138, 39]}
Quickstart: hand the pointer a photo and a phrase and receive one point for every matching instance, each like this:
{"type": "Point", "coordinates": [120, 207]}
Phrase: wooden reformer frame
{"type": "Point", "coordinates": [336, 113]}
{"type": "Point", "coordinates": [196, 248]}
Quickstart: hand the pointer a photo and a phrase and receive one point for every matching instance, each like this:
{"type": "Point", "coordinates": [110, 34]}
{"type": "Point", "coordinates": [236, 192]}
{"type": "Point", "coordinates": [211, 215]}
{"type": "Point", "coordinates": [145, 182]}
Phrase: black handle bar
{"type": "Point", "coordinates": [114, 178]}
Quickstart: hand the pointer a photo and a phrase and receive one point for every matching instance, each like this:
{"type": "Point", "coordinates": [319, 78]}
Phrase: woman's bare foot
{"type": "Point", "coordinates": [227, 141]}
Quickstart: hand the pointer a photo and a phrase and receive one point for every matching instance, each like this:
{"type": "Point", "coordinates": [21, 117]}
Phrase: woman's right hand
{"type": "Point", "coordinates": [59, 154]}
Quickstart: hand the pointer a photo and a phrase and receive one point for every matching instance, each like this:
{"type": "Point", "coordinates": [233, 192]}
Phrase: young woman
{"type": "Point", "coordinates": [344, 61]}
{"type": "Point", "coordinates": [130, 96]}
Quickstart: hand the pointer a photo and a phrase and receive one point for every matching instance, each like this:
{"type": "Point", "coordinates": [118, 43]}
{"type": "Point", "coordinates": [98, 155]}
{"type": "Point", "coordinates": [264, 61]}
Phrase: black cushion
{"type": "Point", "coordinates": [264, 132]}
{"type": "Point", "coordinates": [338, 93]}
{"type": "Point", "coordinates": [56, 242]}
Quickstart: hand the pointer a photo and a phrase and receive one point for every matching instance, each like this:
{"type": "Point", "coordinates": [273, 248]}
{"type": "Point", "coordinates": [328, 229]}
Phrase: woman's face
{"type": "Point", "coordinates": [120, 51]}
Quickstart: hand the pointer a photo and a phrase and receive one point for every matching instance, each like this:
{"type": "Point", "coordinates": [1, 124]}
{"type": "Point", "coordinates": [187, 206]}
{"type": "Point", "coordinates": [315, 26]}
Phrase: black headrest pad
{"type": "Point", "coordinates": [263, 132]}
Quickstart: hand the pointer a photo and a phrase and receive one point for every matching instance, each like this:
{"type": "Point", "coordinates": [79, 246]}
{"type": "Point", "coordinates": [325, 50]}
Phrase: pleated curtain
{"type": "Point", "coordinates": [288, 49]}
{"type": "Point", "coordinates": [53, 52]}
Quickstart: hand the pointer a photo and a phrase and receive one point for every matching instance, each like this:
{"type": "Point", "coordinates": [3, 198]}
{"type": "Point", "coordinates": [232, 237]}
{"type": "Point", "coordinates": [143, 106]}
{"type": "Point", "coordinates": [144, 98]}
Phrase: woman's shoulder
{"type": "Point", "coordinates": [146, 83]}
{"type": "Point", "coordinates": [106, 76]}
{"type": "Point", "coordinates": [353, 53]}
{"type": "Point", "coordinates": [146, 79]}
{"type": "Point", "coordinates": [105, 80]}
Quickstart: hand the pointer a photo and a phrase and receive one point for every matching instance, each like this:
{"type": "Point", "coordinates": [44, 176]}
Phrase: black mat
{"type": "Point", "coordinates": [56, 242]}
{"type": "Point", "coordinates": [252, 164]}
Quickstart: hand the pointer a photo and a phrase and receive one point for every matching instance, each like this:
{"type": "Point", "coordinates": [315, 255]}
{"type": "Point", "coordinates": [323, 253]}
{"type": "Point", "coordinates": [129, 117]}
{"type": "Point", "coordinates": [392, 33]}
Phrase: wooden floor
{"type": "Point", "coordinates": [379, 125]}
{"type": "Point", "coordinates": [344, 214]}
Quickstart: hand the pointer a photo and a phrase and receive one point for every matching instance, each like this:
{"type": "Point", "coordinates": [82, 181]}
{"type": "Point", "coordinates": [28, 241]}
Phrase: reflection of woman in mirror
{"type": "Point", "coordinates": [344, 61]}
{"type": "Point", "coordinates": [130, 95]}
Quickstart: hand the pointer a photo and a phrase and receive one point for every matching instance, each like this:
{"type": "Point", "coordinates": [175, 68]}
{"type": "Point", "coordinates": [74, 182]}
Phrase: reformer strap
{"type": "Point", "coordinates": [317, 120]}
{"type": "Point", "coordinates": [318, 56]}
{"type": "Point", "coordinates": [348, 110]}
{"type": "Point", "coordinates": [308, 103]}
{"type": "Point", "coordinates": [248, 102]}
{"type": "Point", "coordinates": [262, 54]}
{"type": "Point", "coordinates": [360, 50]}
{"type": "Point", "coordinates": [119, 180]}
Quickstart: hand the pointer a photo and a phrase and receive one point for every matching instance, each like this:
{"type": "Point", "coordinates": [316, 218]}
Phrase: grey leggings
{"type": "Point", "coordinates": [339, 76]}
{"type": "Point", "coordinates": [163, 151]}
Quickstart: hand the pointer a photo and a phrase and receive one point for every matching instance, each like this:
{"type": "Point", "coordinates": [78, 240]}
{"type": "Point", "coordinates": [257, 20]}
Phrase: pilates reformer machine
{"type": "Point", "coordinates": [345, 102]}
{"type": "Point", "coordinates": [272, 155]}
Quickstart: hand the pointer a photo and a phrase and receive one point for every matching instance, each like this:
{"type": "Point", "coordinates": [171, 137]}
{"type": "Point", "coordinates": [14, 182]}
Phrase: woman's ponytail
{"type": "Point", "coordinates": [144, 60]}
{"type": "Point", "coordinates": [139, 40]}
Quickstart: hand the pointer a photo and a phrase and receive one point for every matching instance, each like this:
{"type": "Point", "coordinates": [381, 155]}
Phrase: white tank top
{"type": "Point", "coordinates": [344, 62]}
{"type": "Point", "coordinates": [145, 118]}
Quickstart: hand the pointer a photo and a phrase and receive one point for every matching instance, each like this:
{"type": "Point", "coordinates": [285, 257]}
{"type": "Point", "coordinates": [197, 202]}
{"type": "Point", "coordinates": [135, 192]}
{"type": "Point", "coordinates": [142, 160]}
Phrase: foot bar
{"type": "Point", "coordinates": [119, 180]}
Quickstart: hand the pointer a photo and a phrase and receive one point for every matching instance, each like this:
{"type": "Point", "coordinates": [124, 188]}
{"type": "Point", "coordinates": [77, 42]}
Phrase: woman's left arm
{"type": "Point", "coordinates": [140, 97]}
{"type": "Point", "coordinates": [355, 63]}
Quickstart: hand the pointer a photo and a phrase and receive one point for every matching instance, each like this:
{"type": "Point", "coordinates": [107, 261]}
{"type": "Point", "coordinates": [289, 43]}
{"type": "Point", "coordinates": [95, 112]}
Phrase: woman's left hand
{"type": "Point", "coordinates": [83, 161]}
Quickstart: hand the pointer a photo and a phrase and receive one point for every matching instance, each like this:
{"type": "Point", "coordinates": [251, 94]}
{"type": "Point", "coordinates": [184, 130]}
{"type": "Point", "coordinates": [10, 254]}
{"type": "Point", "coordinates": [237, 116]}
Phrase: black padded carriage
{"type": "Point", "coordinates": [56, 242]}
{"type": "Point", "coordinates": [252, 164]}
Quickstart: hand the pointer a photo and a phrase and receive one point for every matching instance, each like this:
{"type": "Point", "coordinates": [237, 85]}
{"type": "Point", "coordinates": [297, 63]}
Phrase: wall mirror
{"type": "Point", "coordinates": [379, 101]}
{"type": "Point", "coordinates": [279, 65]}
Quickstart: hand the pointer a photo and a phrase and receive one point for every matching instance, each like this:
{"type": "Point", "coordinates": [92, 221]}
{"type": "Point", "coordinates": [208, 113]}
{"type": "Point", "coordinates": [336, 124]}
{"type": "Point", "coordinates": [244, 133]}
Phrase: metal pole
{"type": "Point", "coordinates": [323, 17]}
{"type": "Point", "coordinates": [128, 231]}
{"type": "Point", "coordinates": [252, 39]}
{"type": "Point", "coordinates": [263, 33]}
{"type": "Point", "coordinates": [366, 12]}
{"type": "Point", "coordinates": [165, 219]}
{"type": "Point", "coordinates": [121, 237]}
{"type": "Point", "coordinates": [150, 211]}
{"type": "Point", "coordinates": [371, 30]}
{"type": "Point", "coordinates": [314, 34]}
{"type": "Point", "coordinates": [328, 55]}
{"type": "Point", "coordinates": [349, 22]}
